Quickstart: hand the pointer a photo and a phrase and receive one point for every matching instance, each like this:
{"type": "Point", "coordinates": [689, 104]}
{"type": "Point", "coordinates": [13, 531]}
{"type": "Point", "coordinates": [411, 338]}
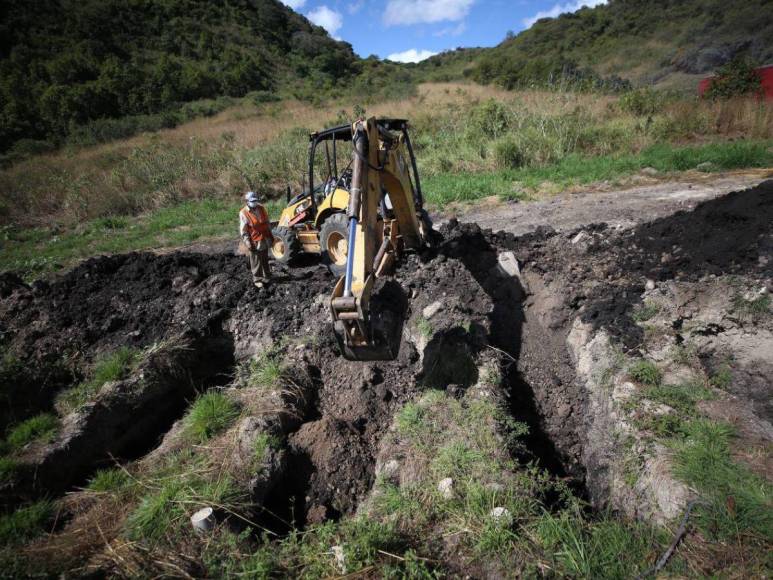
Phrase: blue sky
{"type": "Point", "coordinates": [410, 30]}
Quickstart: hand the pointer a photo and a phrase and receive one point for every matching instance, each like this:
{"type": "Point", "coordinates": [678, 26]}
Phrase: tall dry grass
{"type": "Point", "coordinates": [457, 127]}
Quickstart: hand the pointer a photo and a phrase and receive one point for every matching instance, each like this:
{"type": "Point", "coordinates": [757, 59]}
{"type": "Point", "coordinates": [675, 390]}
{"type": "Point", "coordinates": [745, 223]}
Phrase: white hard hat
{"type": "Point", "coordinates": [252, 198]}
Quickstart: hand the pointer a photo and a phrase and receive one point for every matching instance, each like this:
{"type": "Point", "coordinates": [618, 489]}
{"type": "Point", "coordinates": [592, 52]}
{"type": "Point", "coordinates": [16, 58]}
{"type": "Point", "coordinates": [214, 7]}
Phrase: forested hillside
{"type": "Point", "coordinates": [64, 63]}
{"type": "Point", "coordinates": [644, 41]}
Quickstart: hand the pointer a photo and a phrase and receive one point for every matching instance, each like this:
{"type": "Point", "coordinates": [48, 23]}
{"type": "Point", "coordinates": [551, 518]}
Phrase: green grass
{"type": "Point", "coordinates": [113, 366]}
{"type": "Point", "coordinates": [575, 169]}
{"type": "Point", "coordinates": [646, 373]}
{"type": "Point", "coordinates": [606, 548]}
{"type": "Point", "coordinates": [682, 397]}
{"type": "Point", "coordinates": [164, 509]}
{"type": "Point", "coordinates": [755, 310]}
{"type": "Point", "coordinates": [463, 440]}
{"type": "Point", "coordinates": [424, 327]}
{"type": "Point", "coordinates": [723, 378]}
{"type": "Point", "coordinates": [25, 523]}
{"type": "Point", "coordinates": [8, 470]}
{"type": "Point", "coordinates": [736, 504]}
{"type": "Point", "coordinates": [109, 480]}
{"type": "Point", "coordinates": [35, 251]}
{"type": "Point", "coordinates": [268, 370]}
{"type": "Point", "coordinates": [210, 414]}
{"type": "Point", "coordinates": [646, 311]}
{"type": "Point", "coordinates": [40, 428]}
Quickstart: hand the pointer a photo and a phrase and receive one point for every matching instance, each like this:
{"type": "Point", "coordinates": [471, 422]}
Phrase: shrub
{"type": "Point", "coordinates": [508, 154]}
{"type": "Point", "coordinates": [646, 373]}
{"type": "Point", "coordinates": [736, 78]}
{"type": "Point", "coordinates": [210, 414]}
{"type": "Point", "coordinates": [39, 428]}
{"type": "Point", "coordinates": [491, 119]}
{"type": "Point", "coordinates": [642, 102]}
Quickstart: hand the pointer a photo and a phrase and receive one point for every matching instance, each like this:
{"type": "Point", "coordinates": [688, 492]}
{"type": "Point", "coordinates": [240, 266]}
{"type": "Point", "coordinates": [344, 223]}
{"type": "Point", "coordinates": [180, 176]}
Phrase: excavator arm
{"type": "Point", "coordinates": [384, 218]}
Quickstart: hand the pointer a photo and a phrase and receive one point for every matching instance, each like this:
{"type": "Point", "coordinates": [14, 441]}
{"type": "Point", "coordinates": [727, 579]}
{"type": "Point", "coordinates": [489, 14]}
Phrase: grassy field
{"type": "Point", "coordinates": [184, 185]}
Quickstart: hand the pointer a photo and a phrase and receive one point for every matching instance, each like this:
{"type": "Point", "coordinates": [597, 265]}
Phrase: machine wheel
{"type": "Point", "coordinates": [286, 245]}
{"type": "Point", "coordinates": [334, 240]}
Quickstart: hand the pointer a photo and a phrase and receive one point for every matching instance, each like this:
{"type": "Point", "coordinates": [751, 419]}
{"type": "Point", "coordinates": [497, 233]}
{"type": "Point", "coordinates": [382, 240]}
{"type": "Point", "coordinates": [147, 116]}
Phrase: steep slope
{"type": "Point", "coordinates": [64, 63]}
{"type": "Point", "coordinates": [644, 41]}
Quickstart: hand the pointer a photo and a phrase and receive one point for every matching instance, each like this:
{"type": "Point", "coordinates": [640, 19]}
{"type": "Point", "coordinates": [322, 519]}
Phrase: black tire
{"type": "Point", "coordinates": [333, 239]}
{"type": "Point", "coordinates": [285, 246]}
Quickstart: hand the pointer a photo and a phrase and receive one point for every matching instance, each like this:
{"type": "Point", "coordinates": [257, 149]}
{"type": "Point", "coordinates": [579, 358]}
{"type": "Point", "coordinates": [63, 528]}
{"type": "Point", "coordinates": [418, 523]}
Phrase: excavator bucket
{"type": "Point", "coordinates": [365, 334]}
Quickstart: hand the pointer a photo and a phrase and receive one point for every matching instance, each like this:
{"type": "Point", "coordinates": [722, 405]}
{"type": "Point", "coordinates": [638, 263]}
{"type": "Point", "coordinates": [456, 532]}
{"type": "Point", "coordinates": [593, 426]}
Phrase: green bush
{"type": "Point", "coordinates": [646, 373]}
{"type": "Point", "coordinates": [642, 102]}
{"type": "Point", "coordinates": [491, 119]}
{"type": "Point", "coordinates": [508, 154]}
{"type": "Point", "coordinates": [736, 78]}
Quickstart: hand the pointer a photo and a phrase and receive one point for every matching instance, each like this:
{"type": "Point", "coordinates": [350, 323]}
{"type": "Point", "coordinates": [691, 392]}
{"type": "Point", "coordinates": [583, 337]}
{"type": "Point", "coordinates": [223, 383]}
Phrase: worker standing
{"type": "Point", "coordinates": [255, 231]}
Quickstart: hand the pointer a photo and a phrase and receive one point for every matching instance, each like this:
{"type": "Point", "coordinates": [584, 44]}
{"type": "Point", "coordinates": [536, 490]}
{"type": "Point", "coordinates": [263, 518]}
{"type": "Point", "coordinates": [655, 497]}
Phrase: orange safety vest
{"type": "Point", "coordinates": [258, 226]}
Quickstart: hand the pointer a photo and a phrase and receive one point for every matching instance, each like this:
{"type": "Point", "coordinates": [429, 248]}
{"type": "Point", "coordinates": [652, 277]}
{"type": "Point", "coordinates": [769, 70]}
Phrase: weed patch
{"type": "Point", "coordinates": [646, 373]}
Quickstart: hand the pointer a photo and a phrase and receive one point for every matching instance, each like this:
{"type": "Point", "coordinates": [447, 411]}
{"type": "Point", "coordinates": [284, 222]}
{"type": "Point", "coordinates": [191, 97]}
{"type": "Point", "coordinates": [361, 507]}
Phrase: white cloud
{"type": "Point", "coordinates": [411, 55]}
{"type": "Point", "coordinates": [328, 19]}
{"type": "Point", "coordinates": [425, 11]}
{"type": "Point", "coordinates": [559, 9]}
{"type": "Point", "coordinates": [294, 4]}
{"type": "Point", "coordinates": [355, 7]}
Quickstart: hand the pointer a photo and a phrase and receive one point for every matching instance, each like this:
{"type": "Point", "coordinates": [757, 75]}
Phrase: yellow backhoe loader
{"type": "Point", "coordinates": [384, 216]}
{"type": "Point", "coordinates": [315, 221]}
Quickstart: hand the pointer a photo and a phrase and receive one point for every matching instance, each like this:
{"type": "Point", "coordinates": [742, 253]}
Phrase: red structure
{"type": "Point", "coordinates": [766, 80]}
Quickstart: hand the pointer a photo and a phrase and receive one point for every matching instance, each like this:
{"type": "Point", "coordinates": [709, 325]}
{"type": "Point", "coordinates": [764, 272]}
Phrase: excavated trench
{"type": "Point", "coordinates": [332, 452]}
{"type": "Point", "coordinates": [140, 299]}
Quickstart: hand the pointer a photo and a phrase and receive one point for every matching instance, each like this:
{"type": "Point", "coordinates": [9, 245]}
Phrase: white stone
{"type": "Point", "coordinates": [446, 488]}
{"type": "Point", "coordinates": [649, 284]}
{"type": "Point", "coordinates": [203, 520]}
{"type": "Point", "coordinates": [508, 264]}
{"type": "Point", "coordinates": [501, 516]}
{"type": "Point", "coordinates": [390, 469]}
{"type": "Point", "coordinates": [432, 309]}
{"type": "Point", "coordinates": [340, 556]}
{"type": "Point", "coordinates": [579, 237]}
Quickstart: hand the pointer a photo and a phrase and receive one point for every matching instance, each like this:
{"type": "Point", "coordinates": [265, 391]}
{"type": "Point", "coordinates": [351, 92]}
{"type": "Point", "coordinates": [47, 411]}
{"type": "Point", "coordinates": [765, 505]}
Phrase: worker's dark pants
{"type": "Point", "coordinates": [261, 271]}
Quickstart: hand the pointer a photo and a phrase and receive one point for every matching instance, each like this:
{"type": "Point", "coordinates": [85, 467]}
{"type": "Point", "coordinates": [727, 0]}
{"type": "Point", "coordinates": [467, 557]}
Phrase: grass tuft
{"type": "Point", "coordinates": [646, 311]}
{"type": "Point", "coordinates": [25, 523]}
{"type": "Point", "coordinates": [113, 366]}
{"type": "Point", "coordinates": [209, 415]}
{"type": "Point", "coordinates": [40, 428]}
{"type": "Point", "coordinates": [109, 480]}
{"type": "Point", "coordinates": [736, 504]}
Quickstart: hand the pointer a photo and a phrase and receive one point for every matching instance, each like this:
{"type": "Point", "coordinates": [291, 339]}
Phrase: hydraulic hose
{"type": "Point", "coordinates": [359, 178]}
{"type": "Point", "coordinates": [350, 257]}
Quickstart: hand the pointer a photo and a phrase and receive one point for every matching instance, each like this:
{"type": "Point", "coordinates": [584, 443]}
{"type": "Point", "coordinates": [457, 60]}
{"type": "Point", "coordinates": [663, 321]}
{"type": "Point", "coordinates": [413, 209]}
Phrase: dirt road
{"type": "Point", "coordinates": [618, 208]}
